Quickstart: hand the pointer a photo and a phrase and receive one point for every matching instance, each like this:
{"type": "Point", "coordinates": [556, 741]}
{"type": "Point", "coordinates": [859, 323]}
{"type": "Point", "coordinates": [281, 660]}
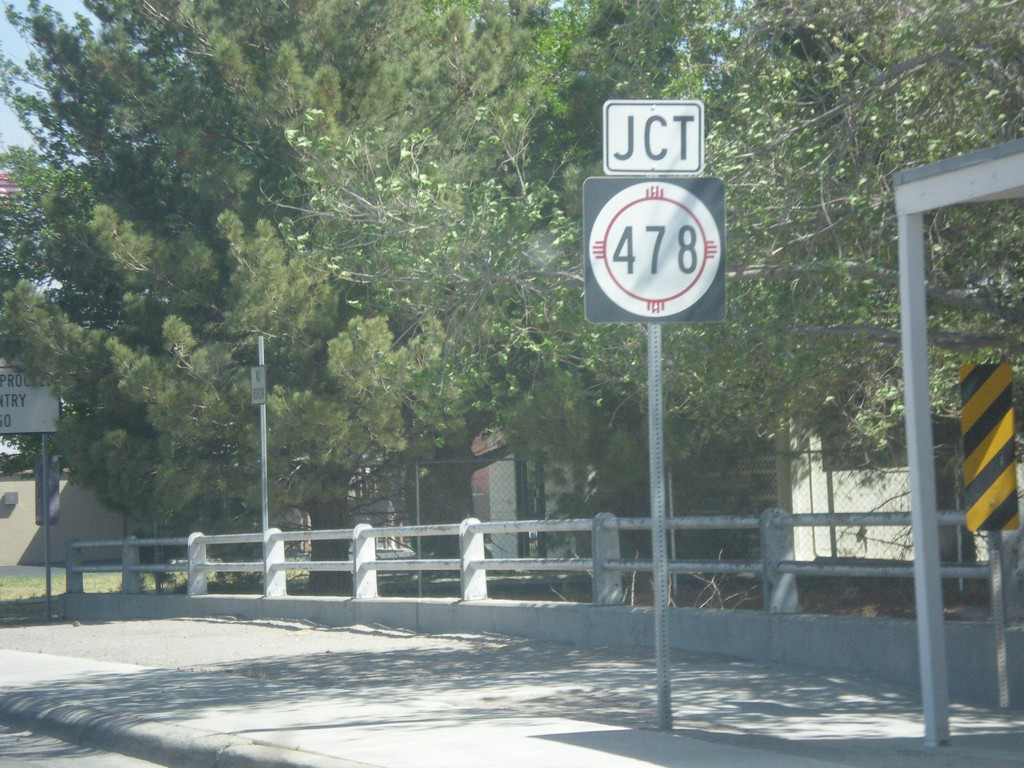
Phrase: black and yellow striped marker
{"type": "Point", "coordinates": [990, 462]}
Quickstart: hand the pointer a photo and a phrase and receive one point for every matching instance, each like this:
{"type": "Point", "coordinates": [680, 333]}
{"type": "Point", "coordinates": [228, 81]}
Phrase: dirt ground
{"type": "Point", "coordinates": [892, 598]}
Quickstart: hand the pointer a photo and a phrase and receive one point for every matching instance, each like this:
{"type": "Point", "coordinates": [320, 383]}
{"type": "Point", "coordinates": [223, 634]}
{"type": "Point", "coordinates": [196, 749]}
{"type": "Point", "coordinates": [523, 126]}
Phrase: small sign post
{"type": "Point", "coordinates": [258, 382]}
{"type": "Point", "coordinates": [47, 521]}
{"type": "Point", "coordinates": [27, 407]}
{"type": "Point", "coordinates": [654, 252]}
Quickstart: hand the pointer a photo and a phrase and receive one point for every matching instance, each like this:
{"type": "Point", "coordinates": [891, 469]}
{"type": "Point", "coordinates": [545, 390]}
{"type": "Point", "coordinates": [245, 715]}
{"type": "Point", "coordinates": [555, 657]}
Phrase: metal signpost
{"type": "Point", "coordinates": [258, 384]}
{"type": "Point", "coordinates": [258, 390]}
{"type": "Point", "coordinates": [654, 252]}
{"type": "Point", "coordinates": [996, 173]}
{"type": "Point", "coordinates": [28, 408]}
{"type": "Point", "coordinates": [47, 507]}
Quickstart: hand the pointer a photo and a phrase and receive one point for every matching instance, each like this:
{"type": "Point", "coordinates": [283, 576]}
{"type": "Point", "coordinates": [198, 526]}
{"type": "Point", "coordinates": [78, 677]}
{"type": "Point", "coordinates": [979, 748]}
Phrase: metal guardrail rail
{"type": "Point", "coordinates": [370, 554]}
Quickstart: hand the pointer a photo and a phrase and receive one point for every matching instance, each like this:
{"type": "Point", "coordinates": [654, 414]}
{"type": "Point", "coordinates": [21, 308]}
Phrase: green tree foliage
{"type": "Point", "coordinates": [825, 102]}
{"type": "Point", "coordinates": [146, 298]}
{"type": "Point", "coordinates": [475, 220]}
{"type": "Point", "coordinates": [390, 192]}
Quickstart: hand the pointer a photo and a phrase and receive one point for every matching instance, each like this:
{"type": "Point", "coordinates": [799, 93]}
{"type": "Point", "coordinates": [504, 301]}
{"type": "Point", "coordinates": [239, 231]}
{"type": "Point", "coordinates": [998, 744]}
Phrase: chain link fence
{"type": "Point", "coordinates": [819, 486]}
{"type": "Point", "coordinates": [808, 481]}
{"type": "Point", "coordinates": [811, 480]}
{"type": "Point", "coordinates": [437, 492]}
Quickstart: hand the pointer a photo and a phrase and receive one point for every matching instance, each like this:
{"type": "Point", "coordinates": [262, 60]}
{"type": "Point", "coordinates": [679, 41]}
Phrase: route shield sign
{"type": "Point", "coordinates": [654, 249]}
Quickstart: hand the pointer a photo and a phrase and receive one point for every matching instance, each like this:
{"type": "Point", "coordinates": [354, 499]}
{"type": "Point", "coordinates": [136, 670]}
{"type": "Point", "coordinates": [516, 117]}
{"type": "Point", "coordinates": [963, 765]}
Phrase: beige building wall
{"type": "Point", "coordinates": [22, 542]}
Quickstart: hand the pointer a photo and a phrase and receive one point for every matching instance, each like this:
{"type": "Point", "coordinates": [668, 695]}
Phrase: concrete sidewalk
{"type": "Point", "coordinates": [195, 719]}
{"type": "Point", "coordinates": [475, 701]}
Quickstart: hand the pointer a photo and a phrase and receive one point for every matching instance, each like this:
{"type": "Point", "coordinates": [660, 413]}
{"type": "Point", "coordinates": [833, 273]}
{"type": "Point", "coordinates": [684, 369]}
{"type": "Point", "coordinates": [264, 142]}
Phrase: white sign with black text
{"type": "Point", "coordinates": [26, 407]}
{"type": "Point", "coordinates": [654, 137]}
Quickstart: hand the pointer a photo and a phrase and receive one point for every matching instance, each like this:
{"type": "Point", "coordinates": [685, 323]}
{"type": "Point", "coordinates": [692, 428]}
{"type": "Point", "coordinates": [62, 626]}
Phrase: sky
{"type": "Point", "coordinates": [13, 47]}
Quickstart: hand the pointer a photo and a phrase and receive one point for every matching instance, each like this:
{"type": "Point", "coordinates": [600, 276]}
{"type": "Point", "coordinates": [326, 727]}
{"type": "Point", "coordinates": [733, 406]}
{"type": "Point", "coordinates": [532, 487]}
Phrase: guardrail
{"type": "Point", "coordinates": [777, 567]}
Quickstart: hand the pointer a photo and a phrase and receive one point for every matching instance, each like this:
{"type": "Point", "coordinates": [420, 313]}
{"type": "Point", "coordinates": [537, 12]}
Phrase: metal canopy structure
{"type": "Point", "coordinates": [996, 173]}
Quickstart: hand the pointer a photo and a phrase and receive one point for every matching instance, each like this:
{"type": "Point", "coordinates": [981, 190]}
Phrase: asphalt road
{"type": "Point", "coordinates": [21, 749]}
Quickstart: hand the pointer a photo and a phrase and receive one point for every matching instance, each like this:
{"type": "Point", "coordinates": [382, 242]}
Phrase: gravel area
{"type": "Point", "coordinates": [207, 643]}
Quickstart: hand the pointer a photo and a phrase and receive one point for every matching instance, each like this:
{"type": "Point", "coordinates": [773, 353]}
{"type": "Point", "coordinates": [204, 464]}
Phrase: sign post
{"type": "Point", "coordinates": [258, 381]}
{"type": "Point", "coordinates": [258, 389]}
{"type": "Point", "coordinates": [656, 463]}
{"type": "Point", "coordinates": [29, 408]}
{"type": "Point", "coordinates": [654, 253]}
{"type": "Point", "coordinates": [44, 503]}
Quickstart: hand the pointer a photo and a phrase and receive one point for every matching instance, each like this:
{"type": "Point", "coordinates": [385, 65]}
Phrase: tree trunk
{"type": "Point", "coordinates": [330, 582]}
{"type": "Point", "coordinates": [446, 490]}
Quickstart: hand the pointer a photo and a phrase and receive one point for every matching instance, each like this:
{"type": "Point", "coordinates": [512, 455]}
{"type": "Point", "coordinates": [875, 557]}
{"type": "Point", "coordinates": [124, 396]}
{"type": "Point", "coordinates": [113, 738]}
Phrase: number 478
{"type": "Point", "coordinates": [686, 254]}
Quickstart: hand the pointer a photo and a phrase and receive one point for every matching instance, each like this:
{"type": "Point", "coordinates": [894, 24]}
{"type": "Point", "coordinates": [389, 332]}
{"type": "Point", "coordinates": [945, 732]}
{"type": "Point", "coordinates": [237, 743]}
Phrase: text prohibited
{"type": "Point", "coordinates": [26, 407]}
{"type": "Point", "coordinates": [990, 464]}
{"type": "Point", "coordinates": [655, 249]}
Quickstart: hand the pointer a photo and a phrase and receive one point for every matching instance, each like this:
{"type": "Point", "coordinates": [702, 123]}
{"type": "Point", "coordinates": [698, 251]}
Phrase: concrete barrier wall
{"type": "Point", "coordinates": [885, 649]}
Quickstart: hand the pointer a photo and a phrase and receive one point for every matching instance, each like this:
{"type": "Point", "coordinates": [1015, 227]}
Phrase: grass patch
{"type": "Point", "coordinates": [32, 587]}
{"type": "Point", "coordinates": [23, 588]}
{"type": "Point", "coordinates": [23, 598]}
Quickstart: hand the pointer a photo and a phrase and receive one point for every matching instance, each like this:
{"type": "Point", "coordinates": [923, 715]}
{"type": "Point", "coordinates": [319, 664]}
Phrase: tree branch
{"type": "Point", "coordinates": [956, 297]}
{"type": "Point", "coordinates": [953, 341]}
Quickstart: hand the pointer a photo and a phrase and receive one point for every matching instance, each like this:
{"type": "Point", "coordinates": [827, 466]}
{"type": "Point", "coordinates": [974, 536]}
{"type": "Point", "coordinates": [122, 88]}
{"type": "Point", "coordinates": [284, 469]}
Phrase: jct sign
{"type": "Point", "coordinates": [652, 137]}
{"type": "Point", "coordinates": [25, 407]}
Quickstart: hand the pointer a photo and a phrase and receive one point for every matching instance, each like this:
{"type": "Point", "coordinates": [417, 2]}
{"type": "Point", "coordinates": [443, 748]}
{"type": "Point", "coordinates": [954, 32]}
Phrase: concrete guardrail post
{"type": "Point", "coordinates": [780, 593]}
{"type": "Point", "coordinates": [606, 584]}
{"type": "Point", "coordinates": [197, 576]}
{"type": "Point", "coordinates": [73, 583]}
{"type": "Point", "coordinates": [131, 580]}
{"type": "Point", "coordinates": [364, 551]}
{"type": "Point", "coordinates": [473, 555]}
{"type": "Point", "coordinates": [275, 578]}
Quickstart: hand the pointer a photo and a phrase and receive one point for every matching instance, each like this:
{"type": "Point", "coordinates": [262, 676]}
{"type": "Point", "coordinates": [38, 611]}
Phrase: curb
{"type": "Point", "coordinates": [168, 745]}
